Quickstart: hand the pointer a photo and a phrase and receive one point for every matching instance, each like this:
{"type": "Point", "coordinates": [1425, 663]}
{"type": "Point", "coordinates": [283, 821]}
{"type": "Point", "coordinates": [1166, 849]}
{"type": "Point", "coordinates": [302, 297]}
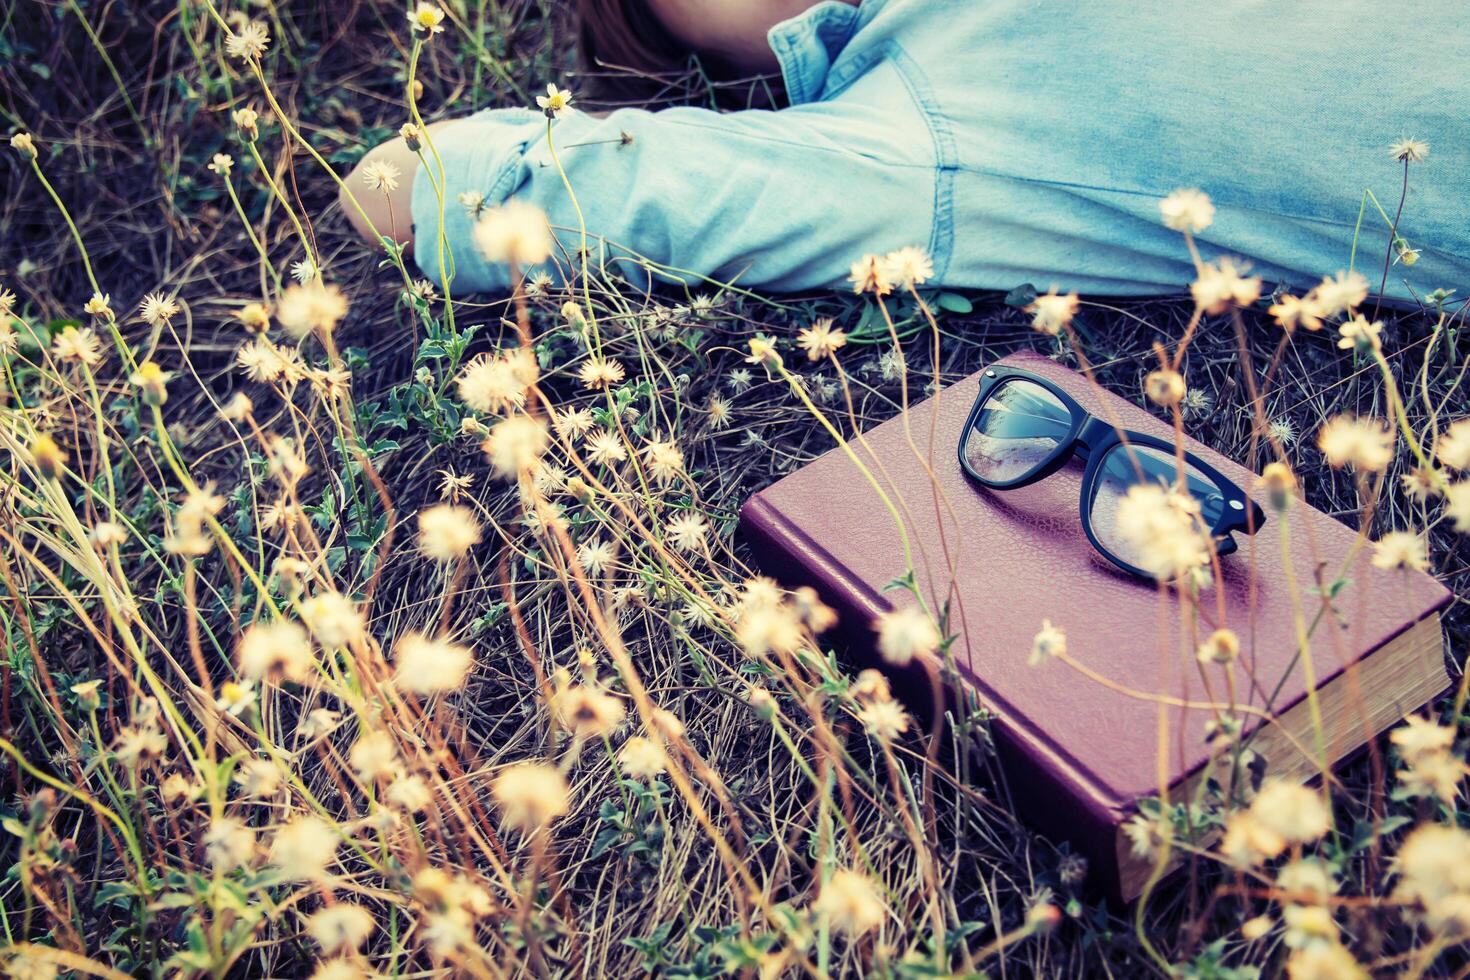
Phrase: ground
{"type": "Point", "coordinates": [128, 105]}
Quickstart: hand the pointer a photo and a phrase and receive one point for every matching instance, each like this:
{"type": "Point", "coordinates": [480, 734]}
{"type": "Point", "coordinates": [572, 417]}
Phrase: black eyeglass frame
{"type": "Point", "coordinates": [1091, 438]}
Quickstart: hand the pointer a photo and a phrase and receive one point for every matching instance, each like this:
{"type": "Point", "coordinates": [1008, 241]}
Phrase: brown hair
{"type": "Point", "coordinates": [626, 50]}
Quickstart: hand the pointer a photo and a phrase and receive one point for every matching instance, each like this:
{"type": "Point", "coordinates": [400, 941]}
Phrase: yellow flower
{"type": "Point", "coordinates": [152, 381]}
{"type": "Point", "coordinates": [763, 351]}
{"type": "Point", "coordinates": [23, 144]}
{"type": "Point", "coordinates": [47, 456]}
{"type": "Point", "coordinates": [556, 102]}
{"type": "Point", "coordinates": [427, 19]}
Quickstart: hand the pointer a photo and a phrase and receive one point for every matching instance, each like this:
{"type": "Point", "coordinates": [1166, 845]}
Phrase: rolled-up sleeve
{"type": "Point", "coordinates": [782, 200]}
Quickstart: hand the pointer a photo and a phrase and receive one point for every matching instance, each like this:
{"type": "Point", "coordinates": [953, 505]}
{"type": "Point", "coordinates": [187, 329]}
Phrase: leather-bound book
{"type": "Point", "coordinates": [1080, 752]}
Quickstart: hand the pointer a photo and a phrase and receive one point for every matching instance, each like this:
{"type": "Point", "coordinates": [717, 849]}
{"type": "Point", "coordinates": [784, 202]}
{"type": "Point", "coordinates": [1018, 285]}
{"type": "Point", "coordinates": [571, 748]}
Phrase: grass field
{"type": "Point", "coordinates": [325, 654]}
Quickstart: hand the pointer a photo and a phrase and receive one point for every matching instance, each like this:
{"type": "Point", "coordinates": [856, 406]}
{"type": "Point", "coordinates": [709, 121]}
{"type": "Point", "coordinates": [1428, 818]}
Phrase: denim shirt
{"type": "Point", "coordinates": [1017, 141]}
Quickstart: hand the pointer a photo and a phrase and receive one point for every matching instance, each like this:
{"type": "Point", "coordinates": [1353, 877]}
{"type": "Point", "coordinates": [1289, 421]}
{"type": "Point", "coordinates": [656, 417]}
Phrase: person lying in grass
{"type": "Point", "coordinates": [1015, 141]}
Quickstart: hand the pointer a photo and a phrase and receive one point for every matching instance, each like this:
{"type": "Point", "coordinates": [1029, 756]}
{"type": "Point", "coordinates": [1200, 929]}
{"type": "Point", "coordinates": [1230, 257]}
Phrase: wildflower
{"type": "Point", "coordinates": [820, 340]}
{"type": "Point", "coordinates": [664, 461]}
{"type": "Point", "coordinates": [7, 302]}
{"type": "Point", "coordinates": [409, 793]}
{"type": "Point", "coordinates": [1420, 738]}
{"type": "Point", "coordinates": [906, 633]}
{"type": "Point", "coordinates": [256, 317]}
{"type": "Point", "coordinates": [9, 339]}
{"type": "Point", "coordinates": [642, 758]}
{"type": "Point", "coordinates": [380, 175]}
{"type": "Point", "coordinates": [573, 423]}
{"type": "Point", "coordinates": [1409, 150]}
{"type": "Point", "coordinates": [1291, 811]}
{"type": "Point", "coordinates": [1282, 431]}
{"type": "Point", "coordinates": [430, 666]}
{"type": "Point", "coordinates": [687, 531]}
{"type": "Point", "coordinates": [304, 848]}
{"type": "Point", "coordinates": [1436, 776]}
{"type": "Point", "coordinates": [87, 697]}
{"type": "Point", "coordinates": [763, 352]}
{"type": "Point", "coordinates": [1050, 641]}
{"type": "Point", "coordinates": [516, 233]}
{"type": "Point", "coordinates": [248, 41]}
{"type": "Point", "coordinates": [247, 120]}
{"type": "Point", "coordinates": [303, 271]}
{"type": "Point", "coordinates": [1365, 444]}
{"type": "Point", "coordinates": [1248, 842]}
{"type": "Point", "coordinates": [530, 795]}
{"type": "Point", "coordinates": [258, 778]}
{"type": "Point", "coordinates": [909, 266]}
{"type": "Point", "coordinates": [190, 534]}
{"type": "Point", "coordinates": [667, 724]}
{"type": "Point", "coordinates": [1324, 961]}
{"type": "Point", "coordinates": [1340, 293]}
{"type": "Point", "coordinates": [516, 445]}
{"type": "Point", "coordinates": [1050, 312]}
{"type": "Point", "coordinates": [100, 305]}
{"type": "Point", "coordinates": [238, 408]}
{"type": "Point", "coordinates": [1308, 925]}
{"type": "Point", "coordinates": [1187, 210]}
{"type": "Point", "coordinates": [137, 744]}
{"type": "Point", "coordinates": [1256, 928]}
{"type": "Point", "coordinates": [311, 306]}
{"type": "Point", "coordinates": [1162, 529]}
{"type": "Point", "coordinates": [262, 360]}
{"type": "Point", "coordinates": [765, 627]}
{"type": "Point", "coordinates": [1279, 482]}
{"type": "Point", "coordinates": [152, 381]}
{"type": "Point", "coordinates": [1405, 254]}
{"type": "Point", "coordinates": [1164, 387]}
{"type": "Point", "coordinates": [426, 20]}
{"type": "Point", "coordinates": [277, 649]}
{"type": "Point", "coordinates": [871, 685]}
{"type": "Point", "coordinates": [870, 275]}
{"type": "Point", "coordinates": [719, 412]}
{"type": "Point", "coordinates": [1457, 504]}
{"type": "Point", "coordinates": [48, 458]}
{"type": "Point", "coordinates": [1361, 334]}
{"type": "Point", "coordinates": [605, 448]}
{"type": "Point", "coordinates": [334, 620]}
{"type": "Point", "coordinates": [340, 928]}
{"type": "Point", "coordinates": [1220, 647]}
{"type": "Point", "coordinates": [23, 144]}
{"type": "Point", "coordinates": [585, 711]}
{"type": "Point", "coordinates": [496, 384]}
{"type": "Point", "coordinates": [555, 103]}
{"type": "Point", "coordinates": [849, 903]}
{"type": "Point", "coordinates": [235, 697]}
{"type": "Point", "coordinates": [178, 788]}
{"type": "Point", "coordinates": [1433, 869]}
{"type": "Point", "coordinates": [473, 203]}
{"type": "Point", "coordinates": [221, 163]}
{"type": "Point", "coordinates": [229, 844]}
{"type": "Point", "coordinates": [411, 135]}
{"type": "Point", "coordinates": [598, 373]}
{"type": "Point", "coordinates": [1145, 836]}
{"type": "Point", "coordinates": [817, 615]}
{"type": "Point", "coordinates": [595, 556]}
{"type": "Point", "coordinates": [106, 534]}
{"type": "Point", "coordinates": [319, 723]}
{"type": "Point", "coordinates": [77, 344]}
{"type": "Point", "coordinates": [1292, 312]}
{"type": "Point", "coordinates": [447, 532]}
{"type": "Point", "coordinates": [739, 380]}
{"type": "Point", "coordinates": [373, 755]}
{"type": "Point", "coordinates": [1221, 284]}
{"type": "Point", "coordinates": [1400, 549]}
{"type": "Point", "coordinates": [884, 720]}
{"type": "Point", "coordinates": [1452, 447]}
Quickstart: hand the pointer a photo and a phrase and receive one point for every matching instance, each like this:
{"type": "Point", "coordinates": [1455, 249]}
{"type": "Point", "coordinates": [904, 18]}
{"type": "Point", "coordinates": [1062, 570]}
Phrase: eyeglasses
{"type": "Point", "coordinates": [1023, 429]}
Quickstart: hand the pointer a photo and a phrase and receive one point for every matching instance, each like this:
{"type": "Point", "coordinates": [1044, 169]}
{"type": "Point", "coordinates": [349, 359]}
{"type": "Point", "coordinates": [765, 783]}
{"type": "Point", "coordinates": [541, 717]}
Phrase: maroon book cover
{"type": "Point", "coordinates": [1079, 753]}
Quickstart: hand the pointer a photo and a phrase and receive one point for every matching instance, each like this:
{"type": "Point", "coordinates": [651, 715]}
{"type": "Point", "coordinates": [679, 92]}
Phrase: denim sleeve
{"type": "Point", "coordinates": [782, 200]}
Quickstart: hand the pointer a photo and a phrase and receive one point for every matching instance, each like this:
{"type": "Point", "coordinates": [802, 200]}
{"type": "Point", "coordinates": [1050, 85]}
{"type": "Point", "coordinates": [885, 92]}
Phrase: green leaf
{"type": "Point", "coordinates": [954, 303]}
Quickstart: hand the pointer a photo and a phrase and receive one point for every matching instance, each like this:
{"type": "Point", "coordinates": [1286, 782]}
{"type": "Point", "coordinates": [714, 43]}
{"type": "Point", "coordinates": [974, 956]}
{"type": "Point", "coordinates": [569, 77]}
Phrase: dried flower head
{"type": "Point", "coordinates": [1221, 647]}
{"type": "Point", "coordinates": [597, 373]}
{"type": "Point", "coordinates": [849, 903]}
{"type": "Point", "coordinates": [515, 233]}
{"type": "Point", "coordinates": [1050, 641]}
{"type": "Point", "coordinates": [280, 649]}
{"type": "Point", "coordinates": [1401, 550]}
{"type": "Point", "coordinates": [909, 266]}
{"type": "Point", "coordinates": [906, 633]}
{"type": "Point", "coordinates": [1164, 387]}
{"type": "Point", "coordinates": [642, 758]}
{"type": "Point", "coordinates": [530, 795]}
{"type": "Point", "coordinates": [78, 345]}
{"type": "Point", "coordinates": [870, 274]}
{"type": "Point", "coordinates": [430, 666]}
{"type": "Point", "coordinates": [380, 175]}
{"type": "Point", "coordinates": [248, 41]}
{"type": "Point", "coordinates": [821, 340]}
{"type": "Point", "coordinates": [1050, 313]}
{"type": "Point", "coordinates": [1187, 210]}
{"type": "Point", "coordinates": [447, 532]}
{"type": "Point", "coordinates": [304, 848]}
{"type": "Point", "coordinates": [340, 928]}
{"type": "Point", "coordinates": [312, 306]}
{"type": "Point", "coordinates": [515, 445]}
{"type": "Point", "coordinates": [1365, 444]}
{"type": "Point", "coordinates": [1409, 150]}
{"type": "Point", "coordinates": [1222, 284]}
{"type": "Point", "coordinates": [884, 720]}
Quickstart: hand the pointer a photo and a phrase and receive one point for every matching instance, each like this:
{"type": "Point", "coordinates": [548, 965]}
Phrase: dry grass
{"type": "Point", "coordinates": [712, 866]}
